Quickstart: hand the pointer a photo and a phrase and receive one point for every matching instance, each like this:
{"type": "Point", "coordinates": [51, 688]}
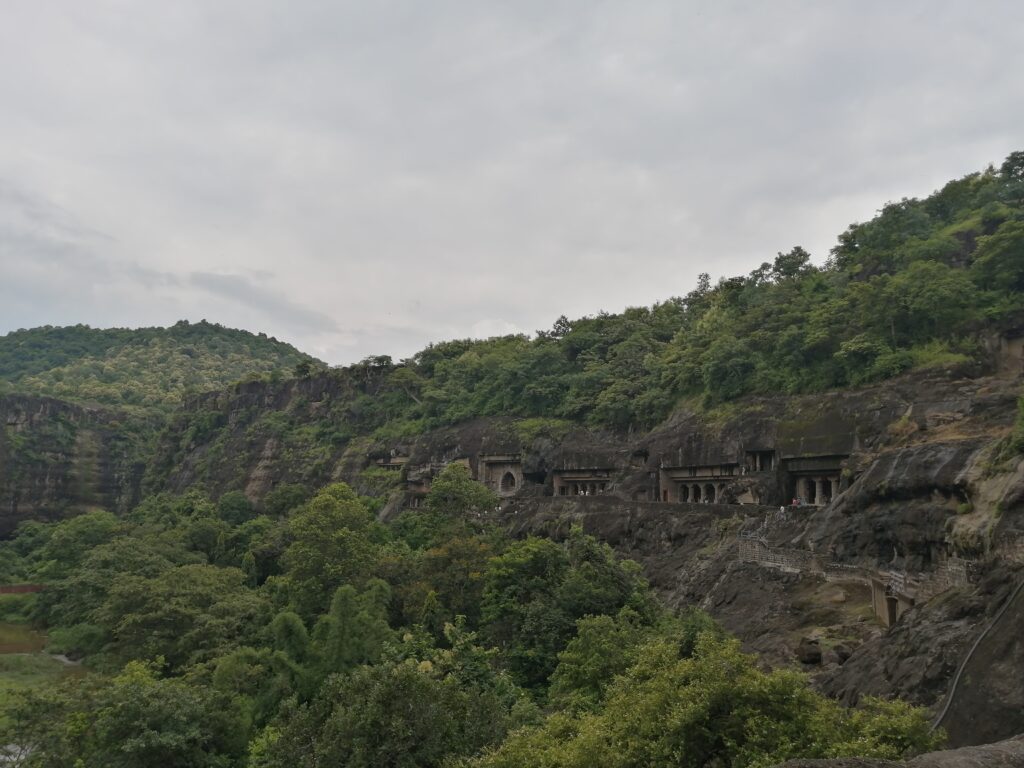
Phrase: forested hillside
{"type": "Point", "coordinates": [141, 368]}
{"type": "Point", "coordinates": [314, 635]}
{"type": "Point", "coordinates": [911, 288]}
{"type": "Point", "coordinates": [926, 283]}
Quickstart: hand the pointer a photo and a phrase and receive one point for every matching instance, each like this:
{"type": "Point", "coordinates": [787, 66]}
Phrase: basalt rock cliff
{"type": "Point", "coordinates": [58, 459]}
{"type": "Point", "coordinates": [1005, 754]}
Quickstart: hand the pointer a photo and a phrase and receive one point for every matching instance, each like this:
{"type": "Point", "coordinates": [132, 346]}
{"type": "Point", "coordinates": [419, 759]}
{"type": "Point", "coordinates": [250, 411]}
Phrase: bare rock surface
{"type": "Point", "coordinates": [1004, 754]}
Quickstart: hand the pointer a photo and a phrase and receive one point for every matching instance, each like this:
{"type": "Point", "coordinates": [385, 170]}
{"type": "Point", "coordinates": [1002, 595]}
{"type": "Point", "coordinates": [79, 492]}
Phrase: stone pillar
{"type": "Point", "coordinates": [878, 601]}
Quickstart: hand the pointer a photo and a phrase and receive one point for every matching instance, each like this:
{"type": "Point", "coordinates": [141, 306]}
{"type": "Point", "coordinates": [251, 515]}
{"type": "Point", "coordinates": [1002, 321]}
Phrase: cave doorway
{"type": "Point", "coordinates": [508, 482]}
{"type": "Point", "coordinates": [709, 493]}
{"type": "Point", "coordinates": [892, 608]}
{"type": "Point", "coordinates": [696, 493]}
{"type": "Point", "coordinates": [684, 493]}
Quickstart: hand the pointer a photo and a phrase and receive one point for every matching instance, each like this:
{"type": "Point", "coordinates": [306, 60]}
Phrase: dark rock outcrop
{"type": "Point", "coordinates": [1004, 754]}
{"type": "Point", "coordinates": [58, 459]}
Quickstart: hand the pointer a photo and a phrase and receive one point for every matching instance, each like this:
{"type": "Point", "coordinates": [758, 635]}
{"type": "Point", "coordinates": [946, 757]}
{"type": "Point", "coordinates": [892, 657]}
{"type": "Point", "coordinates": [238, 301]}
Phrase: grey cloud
{"type": "Point", "coordinates": [244, 291]}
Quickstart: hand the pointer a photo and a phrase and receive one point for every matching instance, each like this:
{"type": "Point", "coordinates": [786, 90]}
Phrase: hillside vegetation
{"type": "Point", "coordinates": [910, 288]}
{"type": "Point", "coordinates": [142, 368]}
{"type": "Point", "coordinates": [316, 636]}
{"type": "Point", "coordinates": [919, 285]}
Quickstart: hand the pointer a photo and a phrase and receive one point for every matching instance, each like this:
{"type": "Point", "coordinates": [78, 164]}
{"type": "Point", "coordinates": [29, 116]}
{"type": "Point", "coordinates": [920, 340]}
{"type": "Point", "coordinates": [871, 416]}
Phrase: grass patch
{"type": "Point", "coordinates": [20, 638]}
{"type": "Point", "coordinates": [16, 608]}
{"type": "Point", "coordinates": [25, 671]}
{"type": "Point", "coordinates": [528, 430]}
{"type": "Point", "coordinates": [937, 354]}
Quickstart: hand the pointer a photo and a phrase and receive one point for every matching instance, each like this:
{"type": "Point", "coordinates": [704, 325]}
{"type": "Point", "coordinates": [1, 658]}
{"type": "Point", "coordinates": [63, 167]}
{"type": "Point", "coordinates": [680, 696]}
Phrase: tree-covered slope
{"type": "Point", "coordinates": [217, 637]}
{"type": "Point", "coordinates": [925, 283]}
{"type": "Point", "coordinates": [145, 367]}
{"type": "Point", "coordinates": [918, 285]}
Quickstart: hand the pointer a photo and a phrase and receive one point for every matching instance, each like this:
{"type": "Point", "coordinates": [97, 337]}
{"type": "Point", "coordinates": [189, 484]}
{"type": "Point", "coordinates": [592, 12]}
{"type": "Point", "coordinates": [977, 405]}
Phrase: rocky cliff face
{"type": "Point", "coordinates": [58, 459]}
{"type": "Point", "coordinates": [922, 493]}
{"type": "Point", "coordinates": [1005, 754]}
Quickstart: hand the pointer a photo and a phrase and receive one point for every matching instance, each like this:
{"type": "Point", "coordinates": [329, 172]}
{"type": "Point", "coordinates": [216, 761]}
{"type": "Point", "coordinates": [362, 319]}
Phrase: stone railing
{"type": "Point", "coordinates": [754, 549]}
{"type": "Point", "coordinates": [952, 572]}
{"type": "Point", "coordinates": [1009, 548]}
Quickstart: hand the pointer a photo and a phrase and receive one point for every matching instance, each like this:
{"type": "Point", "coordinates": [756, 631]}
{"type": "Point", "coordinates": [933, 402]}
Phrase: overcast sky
{"type": "Point", "coordinates": [363, 178]}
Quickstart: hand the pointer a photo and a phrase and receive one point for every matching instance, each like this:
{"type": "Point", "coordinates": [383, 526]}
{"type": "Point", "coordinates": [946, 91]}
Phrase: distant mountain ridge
{"type": "Point", "coordinates": [138, 368]}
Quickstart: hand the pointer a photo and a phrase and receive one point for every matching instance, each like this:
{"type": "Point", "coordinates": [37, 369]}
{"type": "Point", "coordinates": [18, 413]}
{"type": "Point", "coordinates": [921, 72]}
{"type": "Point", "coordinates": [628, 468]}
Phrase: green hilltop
{"type": "Point", "coordinates": [143, 368]}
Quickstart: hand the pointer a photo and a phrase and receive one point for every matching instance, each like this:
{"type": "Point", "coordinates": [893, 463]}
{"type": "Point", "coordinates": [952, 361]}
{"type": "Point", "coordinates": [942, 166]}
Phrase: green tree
{"type": "Point", "coordinates": [70, 541]}
{"type": "Point", "coordinates": [186, 614]}
{"type": "Point", "coordinates": [135, 720]}
{"type": "Point", "coordinates": [999, 259]}
{"type": "Point", "coordinates": [355, 629]}
{"type": "Point", "coordinates": [536, 590]}
{"type": "Point", "coordinates": [333, 542]}
{"type": "Point", "coordinates": [234, 508]}
{"type": "Point", "coordinates": [404, 714]}
{"type": "Point", "coordinates": [284, 498]}
{"type": "Point", "coordinates": [712, 708]}
{"type": "Point", "coordinates": [604, 647]}
{"type": "Point", "coordinates": [453, 492]}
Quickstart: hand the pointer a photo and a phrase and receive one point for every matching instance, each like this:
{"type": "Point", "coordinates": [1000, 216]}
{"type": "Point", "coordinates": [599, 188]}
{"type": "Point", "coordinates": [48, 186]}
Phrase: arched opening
{"type": "Point", "coordinates": [826, 491]}
{"type": "Point", "coordinates": [684, 493]}
{"type": "Point", "coordinates": [508, 482]}
{"type": "Point", "coordinates": [709, 493]}
{"type": "Point", "coordinates": [696, 493]}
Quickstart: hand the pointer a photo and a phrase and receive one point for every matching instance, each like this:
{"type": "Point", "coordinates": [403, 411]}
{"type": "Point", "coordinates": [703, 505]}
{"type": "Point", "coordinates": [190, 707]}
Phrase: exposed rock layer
{"type": "Point", "coordinates": [58, 459]}
{"type": "Point", "coordinates": [1004, 754]}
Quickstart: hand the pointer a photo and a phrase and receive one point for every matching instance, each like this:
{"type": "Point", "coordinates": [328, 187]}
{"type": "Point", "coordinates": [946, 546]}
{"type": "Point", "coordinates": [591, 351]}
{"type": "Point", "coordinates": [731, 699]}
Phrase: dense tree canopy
{"type": "Point", "coordinates": [140, 368]}
{"type": "Point", "coordinates": [216, 636]}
